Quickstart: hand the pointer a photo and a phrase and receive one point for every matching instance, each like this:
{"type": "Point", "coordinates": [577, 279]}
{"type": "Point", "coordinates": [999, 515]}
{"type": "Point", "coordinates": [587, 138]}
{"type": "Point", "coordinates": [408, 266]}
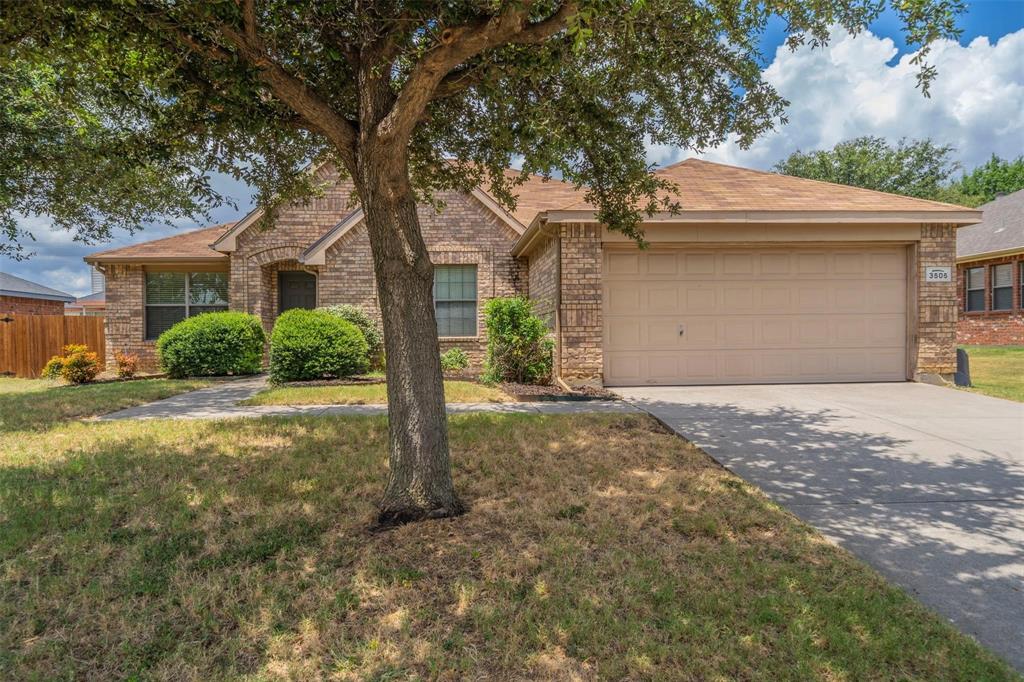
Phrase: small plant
{"type": "Point", "coordinates": [367, 325]}
{"type": "Point", "coordinates": [127, 364]}
{"type": "Point", "coordinates": [52, 368]}
{"type": "Point", "coordinates": [79, 365]}
{"type": "Point", "coordinates": [315, 344]}
{"type": "Point", "coordinates": [454, 360]}
{"type": "Point", "coordinates": [212, 344]}
{"type": "Point", "coordinates": [518, 346]}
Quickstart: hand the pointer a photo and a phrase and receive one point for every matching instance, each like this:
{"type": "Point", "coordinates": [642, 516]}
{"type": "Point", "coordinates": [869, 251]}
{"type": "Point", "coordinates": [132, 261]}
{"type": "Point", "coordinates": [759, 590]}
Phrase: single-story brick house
{"type": "Point", "coordinates": [990, 274]}
{"type": "Point", "coordinates": [761, 278]}
{"type": "Point", "coordinates": [21, 297]}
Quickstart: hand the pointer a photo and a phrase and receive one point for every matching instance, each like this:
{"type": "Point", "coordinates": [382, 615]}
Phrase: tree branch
{"type": "Point", "coordinates": [456, 46]}
{"type": "Point", "coordinates": [297, 95]}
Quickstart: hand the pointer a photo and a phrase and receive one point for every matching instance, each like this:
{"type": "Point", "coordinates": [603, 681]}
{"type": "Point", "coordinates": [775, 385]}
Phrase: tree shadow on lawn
{"type": "Point", "coordinates": [595, 546]}
{"type": "Point", "coordinates": [935, 516]}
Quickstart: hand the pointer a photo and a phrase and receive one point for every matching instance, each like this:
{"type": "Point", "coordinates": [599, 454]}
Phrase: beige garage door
{"type": "Point", "coordinates": [735, 315]}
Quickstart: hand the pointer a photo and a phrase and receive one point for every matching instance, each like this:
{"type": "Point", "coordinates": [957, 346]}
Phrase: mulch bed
{"type": "Point", "coordinates": [532, 393]}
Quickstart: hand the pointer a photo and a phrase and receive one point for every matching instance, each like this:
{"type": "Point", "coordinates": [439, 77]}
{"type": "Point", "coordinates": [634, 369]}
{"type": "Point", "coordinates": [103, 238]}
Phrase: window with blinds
{"type": "Point", "coordinates": [1002, 286]}
{"type": "Point", "coordinates": [974, 295]}
{"type": "Point", "coordinates": [173, 296]}
{"type": "Point", "coordinates": [455, 300]}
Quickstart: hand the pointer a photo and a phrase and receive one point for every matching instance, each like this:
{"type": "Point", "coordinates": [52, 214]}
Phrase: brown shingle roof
{"type": "Point", "coordinates": [538, 194]}
{"type": "Point", "coordinates": [187, 246]}
{"type": "Point", "coordinates": [707, 186]}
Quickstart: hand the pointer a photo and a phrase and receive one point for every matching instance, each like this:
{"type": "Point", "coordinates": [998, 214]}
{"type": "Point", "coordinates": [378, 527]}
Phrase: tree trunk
{"type": "Point", "coordinates": [419, 481]}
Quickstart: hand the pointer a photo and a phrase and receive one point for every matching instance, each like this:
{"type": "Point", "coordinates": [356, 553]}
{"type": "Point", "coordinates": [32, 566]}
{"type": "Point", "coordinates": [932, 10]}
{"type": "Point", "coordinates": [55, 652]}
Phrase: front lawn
{"type": "Point", "coordinates": [368, 394]}
{"type": "Point", "coordinates": [596, 546]}
{"type": "Point", "coordinates": [38, 403]}
{"type": "Point", "coordinates": [998, 370]}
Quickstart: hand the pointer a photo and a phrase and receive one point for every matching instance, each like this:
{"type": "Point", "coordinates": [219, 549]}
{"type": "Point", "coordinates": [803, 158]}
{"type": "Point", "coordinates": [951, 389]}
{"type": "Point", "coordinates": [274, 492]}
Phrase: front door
{"type": "Point", "coordinates": [296, 290]}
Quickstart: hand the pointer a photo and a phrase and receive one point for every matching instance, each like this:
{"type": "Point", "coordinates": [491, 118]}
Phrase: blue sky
{"type": "Point", "coordinates": [856, 86]}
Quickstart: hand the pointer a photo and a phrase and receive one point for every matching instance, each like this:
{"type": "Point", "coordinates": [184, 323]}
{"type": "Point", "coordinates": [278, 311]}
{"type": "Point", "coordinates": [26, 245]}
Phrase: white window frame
{"type": "Point", "coordinates": [475, 301]}
{"type": "Point", "coordinates": [187, 305]}
{"type": "Point", "coordinates": [994, 288]}
{"type": "Point", "coordinates": [968, 289]}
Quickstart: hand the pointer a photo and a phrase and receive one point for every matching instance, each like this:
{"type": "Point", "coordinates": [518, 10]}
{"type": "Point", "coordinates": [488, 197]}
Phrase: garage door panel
{"type": "Point", "coordinates": [750, 315]}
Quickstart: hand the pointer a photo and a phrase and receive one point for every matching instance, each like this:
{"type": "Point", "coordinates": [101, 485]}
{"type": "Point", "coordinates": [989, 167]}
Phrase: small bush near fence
{"type": "Point", "coordinates": [518, 346]}
{"type": "Point", "coordinates": [454, 360]}
{"type": "Point", "coordinates": [315, 344]}
{"type": "Point", "coordinates": [371, 332]}
{"type": "Point", "coordinates": [212, 344]}
{"type": "Point", "coordinates": [76, 366]}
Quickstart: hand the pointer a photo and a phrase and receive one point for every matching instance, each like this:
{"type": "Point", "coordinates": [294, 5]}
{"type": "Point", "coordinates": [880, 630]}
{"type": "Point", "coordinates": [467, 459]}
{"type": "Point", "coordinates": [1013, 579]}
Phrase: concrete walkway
{"type": "Point", "coordinates": [221, 402]}
{"type": "Point", "coordinates": [924, 483]}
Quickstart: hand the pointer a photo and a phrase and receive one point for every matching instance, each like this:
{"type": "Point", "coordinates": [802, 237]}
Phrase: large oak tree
{"type": "Point", "coordinates": [116, 112]}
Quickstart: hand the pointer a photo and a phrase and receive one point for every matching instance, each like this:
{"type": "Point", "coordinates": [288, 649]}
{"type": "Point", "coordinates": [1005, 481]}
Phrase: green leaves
{"type": "Point", "coordinates": [918, 168]}
{"type": "Point", "coordinates": [115, 113]}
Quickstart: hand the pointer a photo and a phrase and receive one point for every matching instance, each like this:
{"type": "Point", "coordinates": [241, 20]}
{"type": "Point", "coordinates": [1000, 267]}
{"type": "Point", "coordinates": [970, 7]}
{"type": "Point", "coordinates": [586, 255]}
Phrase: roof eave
{"type": "Point", "coordinates": [100, 258]}
{"type": "Point", "coordinates": [986, 255]}
{"type": "Point", "coordinates": [37, 296]}
{"type": "Point", "coordinates": [958, 218]}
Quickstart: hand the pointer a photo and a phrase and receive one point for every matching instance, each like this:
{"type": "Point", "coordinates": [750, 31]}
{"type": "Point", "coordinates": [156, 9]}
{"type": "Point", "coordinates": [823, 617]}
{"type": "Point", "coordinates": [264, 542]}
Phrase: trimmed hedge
{"type": "Point", "coordinates": [371, 332]}
{"type": "Point", "coordinates": [315, 344]}
{"type": "Point", "coordinates": [212, 344]}
{"type": "Point", "coordinates": [519, 347]}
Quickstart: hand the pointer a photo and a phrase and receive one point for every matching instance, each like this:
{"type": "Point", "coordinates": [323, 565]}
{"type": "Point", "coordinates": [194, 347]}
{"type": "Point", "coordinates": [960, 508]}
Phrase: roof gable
{"type": "Point", "coordinates": [1001, 228]}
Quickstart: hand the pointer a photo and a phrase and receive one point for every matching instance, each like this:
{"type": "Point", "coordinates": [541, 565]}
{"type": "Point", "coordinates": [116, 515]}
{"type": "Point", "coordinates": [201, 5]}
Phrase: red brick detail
{"type": "Point", "coordinates": [19, 305]}
{"type": "Point", "coordinates": [991, 327]}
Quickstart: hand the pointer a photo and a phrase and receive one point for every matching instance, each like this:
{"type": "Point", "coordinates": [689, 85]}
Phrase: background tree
{"type": "Point", "coordinates": [989, 180]}
{"type": "Point", "coordinates": [114, 111]}
{"type": "Point", "coordinates": [918, 168]}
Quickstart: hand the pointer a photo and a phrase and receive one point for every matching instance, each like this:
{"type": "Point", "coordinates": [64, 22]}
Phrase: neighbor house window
{"type": "Point", "coordinates": [975, 283]}
{"type": "Point", "coordinates": [1002, 287]}
{"type": "Point", "coordinates": [173, 296]}
{"type": "Point", "coordinates": [455, 300]}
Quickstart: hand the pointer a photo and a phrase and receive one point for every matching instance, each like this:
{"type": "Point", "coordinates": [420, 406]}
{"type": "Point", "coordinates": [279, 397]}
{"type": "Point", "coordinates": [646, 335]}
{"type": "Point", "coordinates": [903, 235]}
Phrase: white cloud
{"type": "Point", "coordinates": [853, 88]}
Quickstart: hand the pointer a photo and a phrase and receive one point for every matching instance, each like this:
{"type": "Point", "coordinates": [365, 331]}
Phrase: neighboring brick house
{"type": "Point", "coordinates": [990, 275]}
{"type": "Point", "coordinates": [21, 297]}
{"type": "Point", "coordinates": [760, 277]}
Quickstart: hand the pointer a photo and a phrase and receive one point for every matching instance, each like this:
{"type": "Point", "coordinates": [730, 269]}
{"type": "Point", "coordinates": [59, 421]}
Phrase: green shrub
{"type": "Point", "coordinates": [371, 332]}
{"type": "Point", "coordinates": [315, 344]}
{"type": "Point", "coordinates": [518, 346]}
{"type": "Point", "coordinates": [454, 360]}
{"type": "Point", "coordinates": [212, 344]}
{"type": "Point", "coordinates": [79, 365]}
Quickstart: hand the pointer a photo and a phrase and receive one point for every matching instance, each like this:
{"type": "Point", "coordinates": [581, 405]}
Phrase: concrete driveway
{"type": "Point", "coordinates": [924, 483]}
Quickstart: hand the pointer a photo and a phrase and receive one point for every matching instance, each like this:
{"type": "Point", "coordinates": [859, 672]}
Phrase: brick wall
{"type": "Point", "coordinates": [580, 358]}
{"type": "Point", "coordinates": [543, 285]}
{"type": "Point", "coordinates": [125, 321]}
{"type": "Point", "coordinates": [991, 327]}
{"type": "Point", "coordinates": [18, 305]}
{"type": "Point", "coordinates": [464, 233]}
{"type": "Point", "coordinates": [937, 302]}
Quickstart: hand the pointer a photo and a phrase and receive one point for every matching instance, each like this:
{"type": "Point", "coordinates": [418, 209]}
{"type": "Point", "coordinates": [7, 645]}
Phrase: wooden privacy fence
{"type": "Point", "coordinates": [28, 341]}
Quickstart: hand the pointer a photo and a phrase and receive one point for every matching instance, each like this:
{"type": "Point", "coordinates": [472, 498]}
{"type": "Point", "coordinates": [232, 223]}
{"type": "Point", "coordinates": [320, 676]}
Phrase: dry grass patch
{"type": "Point", "coordinates": [370, 394]}
{"type": "Point", "coordinates": [39, 404]}
{"type": "Point", "coordinates": [596, 547]}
